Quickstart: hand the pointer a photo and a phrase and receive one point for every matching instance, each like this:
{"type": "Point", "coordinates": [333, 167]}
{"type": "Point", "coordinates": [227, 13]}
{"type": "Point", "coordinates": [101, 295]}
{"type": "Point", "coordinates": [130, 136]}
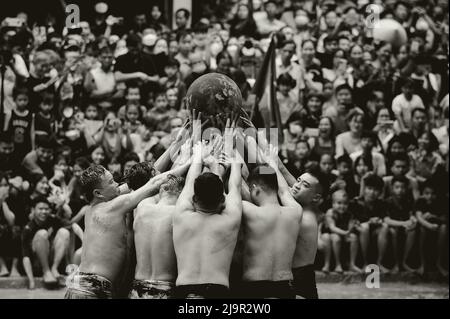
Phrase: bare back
{"type": "Point", "coordinates": [153, 241]}
{"type": "Point", "coordinates": [305, 252]}
{"type": "Point", "coordinates": [204, 245]}
{"type": "Point", "coordinates": [270, 234]}
{"type": "Point", "coordinates": [104, 242]}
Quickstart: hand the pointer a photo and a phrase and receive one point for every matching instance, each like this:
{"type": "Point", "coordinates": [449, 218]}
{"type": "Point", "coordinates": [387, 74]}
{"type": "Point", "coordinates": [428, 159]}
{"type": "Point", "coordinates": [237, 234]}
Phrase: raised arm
{"type": "Point", "coordinates": [283, 188]}
{"type": "Point", "coordinates": [234, 198]}
{"type": "Point", "coordinates": [126, 203]}
{"type": "Point", "coordinates": [185, 199]}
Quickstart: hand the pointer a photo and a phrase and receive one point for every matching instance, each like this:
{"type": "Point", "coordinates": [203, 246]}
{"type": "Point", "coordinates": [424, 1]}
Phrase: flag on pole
{"type": "Point", "coordinates": [266, 111]}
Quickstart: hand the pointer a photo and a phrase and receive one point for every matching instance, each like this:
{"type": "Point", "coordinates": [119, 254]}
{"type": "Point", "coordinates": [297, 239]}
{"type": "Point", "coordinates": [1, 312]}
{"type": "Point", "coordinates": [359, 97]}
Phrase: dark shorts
{"type": "Point", "coordinates": [88, 286]}
{"type": "Point", "coordinates": [305, 282]}
{"type": "Point", "coordinates": [151, 289]}
{"type": "Point", "coordinates": [203, 291]}
{"type": "Point", "coordinates": [268, 289]}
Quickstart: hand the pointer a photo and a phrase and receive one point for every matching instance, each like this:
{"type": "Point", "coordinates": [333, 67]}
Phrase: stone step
{"type": "Point", "coordinates": [345, 278]}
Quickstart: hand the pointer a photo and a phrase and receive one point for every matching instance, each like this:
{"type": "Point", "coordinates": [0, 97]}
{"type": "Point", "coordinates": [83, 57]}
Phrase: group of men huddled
{"type": "Point", "coordinates": [223, 231]}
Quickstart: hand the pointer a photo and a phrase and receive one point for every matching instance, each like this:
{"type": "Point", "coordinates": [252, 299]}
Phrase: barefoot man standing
{"type": "Point", "coordinates": [105, 237]}
{"type": "Point", "coordinates": [205, 229]}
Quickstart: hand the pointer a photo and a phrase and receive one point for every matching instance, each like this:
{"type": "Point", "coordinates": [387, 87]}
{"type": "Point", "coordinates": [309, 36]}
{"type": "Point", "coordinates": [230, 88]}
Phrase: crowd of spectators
{"type": "Point", "coordinates": [374, 116]}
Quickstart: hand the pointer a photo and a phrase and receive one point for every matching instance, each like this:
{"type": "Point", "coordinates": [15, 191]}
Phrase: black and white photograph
{"type": "Point", "coordinates": [227, 150]}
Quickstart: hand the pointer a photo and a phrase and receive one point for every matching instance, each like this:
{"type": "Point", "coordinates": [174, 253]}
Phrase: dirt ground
{"type": "Point", "coordinates": [326, 291]}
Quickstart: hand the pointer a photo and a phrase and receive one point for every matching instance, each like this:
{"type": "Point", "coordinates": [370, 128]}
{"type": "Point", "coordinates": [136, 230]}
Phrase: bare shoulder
{"type": "Point", "coordinates": [309, 219]}
{"type": "Point", "coordinates": [294, 213]}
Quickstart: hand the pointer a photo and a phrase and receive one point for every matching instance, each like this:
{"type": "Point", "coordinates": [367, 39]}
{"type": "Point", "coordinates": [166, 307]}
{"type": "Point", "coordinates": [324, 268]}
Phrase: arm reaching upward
{"type": "Point", "coordinates": [283, 188]}
{"type": "Point", "coordinates": [185, 199]}
{"type": "Point", "coordinates": [126, 203]}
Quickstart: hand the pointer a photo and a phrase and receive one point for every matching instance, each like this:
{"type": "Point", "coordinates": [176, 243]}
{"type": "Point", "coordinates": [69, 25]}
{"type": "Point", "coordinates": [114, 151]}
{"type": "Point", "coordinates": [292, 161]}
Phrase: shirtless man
{"type": "Point", "coordinates": [156, 269]}
{"type": "Point", "coordinates": [270, 235]}
{"type": "Point", "coordinates": [205, 230]}
{"type": "Point", "coordinates": [307, 191]}
{"type": "Point", "coordinates": [105, 238]}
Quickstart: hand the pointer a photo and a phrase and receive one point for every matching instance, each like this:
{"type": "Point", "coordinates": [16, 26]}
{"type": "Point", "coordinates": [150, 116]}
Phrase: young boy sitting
{"type": "Point", "coordinates": [401, 222]}
{"type": "Point", "coordinates": [339, 227]}
{"type": "Point", "coordinates": [369, 212]}
{"type": "Point", "coordinates": [132, 97]}
{"type": "Point", "coordinates": [368, 143]}
{"type": "Point", "coordinates": [432, 216]}
{"type": "Point", "coordinates": [161, 114]}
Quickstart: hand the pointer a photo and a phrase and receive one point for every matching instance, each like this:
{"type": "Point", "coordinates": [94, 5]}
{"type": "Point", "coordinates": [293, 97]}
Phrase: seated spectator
{"type": "Point", "coordinates": [339, 228]}
{"type": "Point", "coordinates": [432, 217]}
{"type": "Point", "coordinates": [425, 161]}
{"type": "Point", "coordinates": [384, 128]}
{"type": "Point", "coordinates": [402, 223]}
{"type": "Point", "coordinates": [369, 211]}
{"type": "Point", "coordinates": [324, 142]}
{"type": "Point", "coordinates": [132, 98]}
{"type": "Point", "coordinates": [7, 218]}
{"type": "Point", "coordinates": [43, 235]}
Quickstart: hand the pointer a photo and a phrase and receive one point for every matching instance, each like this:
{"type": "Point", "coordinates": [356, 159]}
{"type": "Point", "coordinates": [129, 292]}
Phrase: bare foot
{"type": "Point", "coordinates": [354, 269]}
{"type": "Point", "coordinates": [55, 273]}
{"type": "Point", "coordinates": [442, 271]}
{"type": "Point", "coordinates": [407, 268]}
{"type": "Point", "coordinates": [394, 270]}
{"type": "Point", "coordinates": [4, 272]}
{"type": "Point", "coordinates": [31, 285]}
{"type": "Point", "coordinates": [49, 279]}
{"type": "Point", "coordinates": [421, 270]}
{"type": "Point", "coordinates": [14, 273]}
{"type": "Point", "coordinates": [326, 269]}
{"type": "Point", "coordinates": [338, 269]}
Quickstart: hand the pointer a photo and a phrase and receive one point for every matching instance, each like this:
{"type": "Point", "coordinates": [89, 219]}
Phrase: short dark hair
{"type": "Point", "coordinates": [172, 62]}
{"type": "Point", "coordinates": [208, 189]}
{"type": "Point", "coordinates": [341, 87]}
{"type": "Point", "coordinates": [286, 42]}
{"type": "Point", "coordinates": [329, 39]}
{"type": "Point", "coordinates": [267, 180]}
{"type": "Point", "coordinates": [40, 199]}
{"type": "Point", "coordinates": [82, 162]}
{"type": "Point", "coordinates": [174, 185]}
{"type": "Point", "coordinates": [400, 157]}
{"type": "Point", "coordinates": [186, 12]}
{"type": "Point", "coordinates": [133, 40]}
{"type": "Point", "coordinates": [47, 142]}
{"type": "Point", "coordinates": [370, 135]}
{"type": "Point", "coordinates": [90, 179]}
{"type": "Point", "coordinates": [286, 79]}
{"type": "Point", "coordinates": [375, 181]}
{"type": "Point", "coordinates": [400, 179]}
{"type": "Point", "coordinates": [139, 174]}
{"type": "Point", "coordinates": [20, 90]}
{"type": "Point", "coordinates": [313, 168]}
{"type": "Point", "coordinates": [130, 157]}
{"type": "Point", "coordinates": [345, 158]}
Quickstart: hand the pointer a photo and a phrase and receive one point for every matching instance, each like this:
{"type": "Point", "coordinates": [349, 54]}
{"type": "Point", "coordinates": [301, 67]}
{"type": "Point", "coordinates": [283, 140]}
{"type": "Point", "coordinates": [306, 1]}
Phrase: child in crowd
{"type": "Point", "coordinates": [432, 217]}
{"type": "Point", "coordinates": [21, 123]}
{"type": "Point", "coordinates": [172, 70]}
{"type": "Point", "coordinates": [44, 121]}
{"type": "Point", "coordinates": [132, 97]}
{"type": "Point", "coordinates": [91, 124]}
{"type": "Point", "coordinates": [403, 104]}
{"type": "Point", "coordinates": [368, 142]}
{"type": "Point", "coordinates": [400, 167]}
{"type": "Point", "coordinates": [340, 227]}
{"type": "Point", "coordinates": [401, 222]}
{"type": "Point", "coordinates": [161, 114]}
{"type": "Point", "coordinates": [369, 211]}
